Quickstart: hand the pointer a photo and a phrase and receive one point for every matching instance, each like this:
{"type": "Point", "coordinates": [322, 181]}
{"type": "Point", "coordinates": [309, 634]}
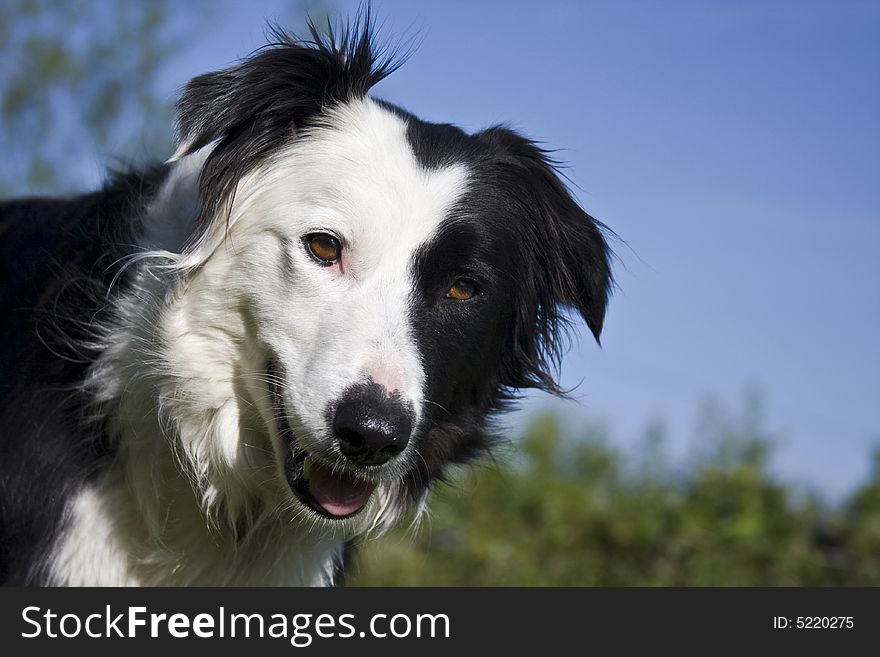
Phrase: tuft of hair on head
{"type": "Point", "coordinates": [248, 111]}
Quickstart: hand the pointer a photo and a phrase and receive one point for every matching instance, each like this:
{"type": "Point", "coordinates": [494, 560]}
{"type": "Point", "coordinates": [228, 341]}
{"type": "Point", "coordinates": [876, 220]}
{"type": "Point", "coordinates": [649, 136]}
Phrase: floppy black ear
{"type": "Point", "coordinates": [580, 275]}
{"type": "Point", "coordinates": [568, 258]}
{"type": "Point", "coordinates": [248, 110]}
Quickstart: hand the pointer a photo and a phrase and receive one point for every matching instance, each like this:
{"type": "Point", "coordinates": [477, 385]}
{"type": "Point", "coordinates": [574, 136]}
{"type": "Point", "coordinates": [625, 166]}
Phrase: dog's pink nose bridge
{"type": "Point", "coordinates": [387, 374]}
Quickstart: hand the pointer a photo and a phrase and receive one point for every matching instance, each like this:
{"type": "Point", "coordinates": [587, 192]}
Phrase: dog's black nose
{"type": "Point", "coordinates": [370, 426]}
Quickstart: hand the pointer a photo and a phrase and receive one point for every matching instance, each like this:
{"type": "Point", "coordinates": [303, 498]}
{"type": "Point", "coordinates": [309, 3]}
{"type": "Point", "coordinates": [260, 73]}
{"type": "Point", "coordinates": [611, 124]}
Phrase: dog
{"type": "Point", "coordinates": [229, 368]}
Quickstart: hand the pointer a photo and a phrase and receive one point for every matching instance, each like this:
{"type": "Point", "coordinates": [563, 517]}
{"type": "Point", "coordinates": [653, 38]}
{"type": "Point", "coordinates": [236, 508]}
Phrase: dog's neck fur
{"type": "Point", "coordinates": [165, 512]}
{"type": "Point", "coordinates": [109, 543]}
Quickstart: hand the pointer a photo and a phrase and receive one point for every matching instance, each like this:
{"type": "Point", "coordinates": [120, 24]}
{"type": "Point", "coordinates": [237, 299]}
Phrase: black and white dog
{"type": "Point", "coordinates": [226, 369]}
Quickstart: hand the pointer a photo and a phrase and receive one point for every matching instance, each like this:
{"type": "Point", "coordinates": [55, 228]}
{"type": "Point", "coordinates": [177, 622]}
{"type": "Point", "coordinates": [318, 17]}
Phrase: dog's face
{"type": "Point", "coordinates": [391, 282]}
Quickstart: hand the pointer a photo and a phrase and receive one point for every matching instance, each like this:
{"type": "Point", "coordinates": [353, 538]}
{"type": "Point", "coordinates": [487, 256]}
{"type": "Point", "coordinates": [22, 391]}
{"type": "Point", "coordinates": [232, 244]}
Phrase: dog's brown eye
{"type": "Point", "coordinates": [324, 247]}
{"type": "Point", "coordinates": [462, 290]}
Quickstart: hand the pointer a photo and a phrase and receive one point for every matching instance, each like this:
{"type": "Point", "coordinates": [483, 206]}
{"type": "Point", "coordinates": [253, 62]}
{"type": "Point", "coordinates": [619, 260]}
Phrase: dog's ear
{"type": "Point", "coordinates": [249, 110]}
{"type": "Point", "coordinates": [568, 257]}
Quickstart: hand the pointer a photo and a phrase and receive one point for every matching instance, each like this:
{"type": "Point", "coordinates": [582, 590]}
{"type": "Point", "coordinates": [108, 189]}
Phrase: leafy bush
{"type": "Point", "coordinates": [567, 512]}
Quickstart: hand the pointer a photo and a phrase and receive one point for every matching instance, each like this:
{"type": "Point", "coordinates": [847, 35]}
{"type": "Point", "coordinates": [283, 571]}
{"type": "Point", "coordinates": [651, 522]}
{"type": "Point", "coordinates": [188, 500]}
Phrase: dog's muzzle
{"type": "Point", "coordinates": [370, 428]}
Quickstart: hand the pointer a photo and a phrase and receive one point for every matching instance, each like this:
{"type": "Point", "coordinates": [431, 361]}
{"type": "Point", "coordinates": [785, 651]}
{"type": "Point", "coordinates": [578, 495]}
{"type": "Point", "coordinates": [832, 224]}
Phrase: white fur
{"type": "Point", "coordinates": [196, 494]}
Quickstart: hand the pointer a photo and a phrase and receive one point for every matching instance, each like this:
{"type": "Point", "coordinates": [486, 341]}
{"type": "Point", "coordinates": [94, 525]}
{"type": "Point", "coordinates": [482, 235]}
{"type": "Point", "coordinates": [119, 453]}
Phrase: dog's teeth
{"type": "Point", "coordinates": [307, 467]}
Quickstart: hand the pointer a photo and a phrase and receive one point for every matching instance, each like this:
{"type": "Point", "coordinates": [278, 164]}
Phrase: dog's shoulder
{"type": "Point", "coordinates": [57, 258]}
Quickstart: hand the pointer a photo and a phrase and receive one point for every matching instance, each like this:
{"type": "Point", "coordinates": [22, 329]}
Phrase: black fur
{"type": "Point", "coordinates": [57, 259]}
{"type": "Point", "coordinates": [532, 250]}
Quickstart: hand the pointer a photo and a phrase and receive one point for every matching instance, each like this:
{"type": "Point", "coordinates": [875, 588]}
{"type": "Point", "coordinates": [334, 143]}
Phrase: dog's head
{"type": "Point", "coordinates": [377, 285]}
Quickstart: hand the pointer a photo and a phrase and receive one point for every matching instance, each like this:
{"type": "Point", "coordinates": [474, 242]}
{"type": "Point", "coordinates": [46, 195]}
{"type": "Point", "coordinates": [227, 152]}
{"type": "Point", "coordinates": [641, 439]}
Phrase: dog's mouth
{"type": "Point", "coordinates": [329, 492]}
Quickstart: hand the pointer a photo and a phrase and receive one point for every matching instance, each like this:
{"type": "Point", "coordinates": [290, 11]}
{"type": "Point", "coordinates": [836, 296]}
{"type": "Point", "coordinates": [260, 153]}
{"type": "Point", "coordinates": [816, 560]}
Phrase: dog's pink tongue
{"type": "Point", "coordinates": [338, 493]}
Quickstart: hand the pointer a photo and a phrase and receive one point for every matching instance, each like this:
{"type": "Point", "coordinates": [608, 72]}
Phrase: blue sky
{"type": "Point", "coordinates": [734, 147]}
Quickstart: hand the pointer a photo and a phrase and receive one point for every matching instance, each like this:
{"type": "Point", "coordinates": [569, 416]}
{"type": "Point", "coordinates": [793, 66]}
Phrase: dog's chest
{"type": "Point", "coordinates": [101, 546]}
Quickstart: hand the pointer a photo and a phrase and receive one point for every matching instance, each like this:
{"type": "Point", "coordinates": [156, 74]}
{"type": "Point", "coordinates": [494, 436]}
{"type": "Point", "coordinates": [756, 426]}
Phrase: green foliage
{"type": "Point", "coordinates": [572, 512]}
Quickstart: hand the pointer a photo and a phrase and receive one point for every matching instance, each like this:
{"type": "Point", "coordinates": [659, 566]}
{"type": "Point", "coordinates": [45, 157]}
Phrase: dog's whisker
{"type": "Point", "coordinates": [433, 403]}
